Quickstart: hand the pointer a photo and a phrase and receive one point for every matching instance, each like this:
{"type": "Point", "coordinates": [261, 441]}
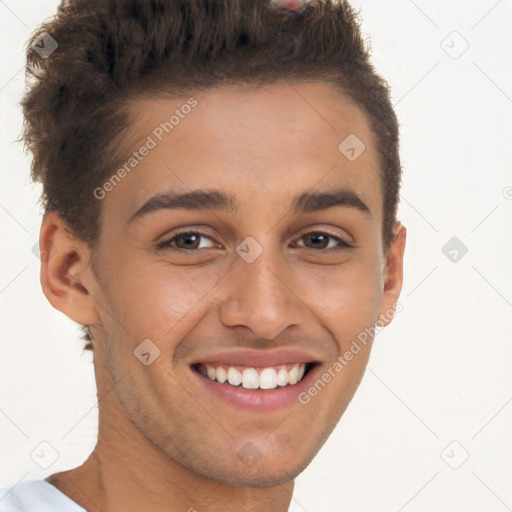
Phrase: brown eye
{"type": "Point", "coordinates": [186, 241]}
{"type": "Point", "coordinates": [319, 240]}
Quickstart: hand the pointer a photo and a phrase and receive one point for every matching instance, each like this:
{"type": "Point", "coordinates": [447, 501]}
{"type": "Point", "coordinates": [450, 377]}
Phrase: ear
{"type": "Point", "coordinates": [65, 270]}
{"type": "Point", "coordinates": [393, 274]}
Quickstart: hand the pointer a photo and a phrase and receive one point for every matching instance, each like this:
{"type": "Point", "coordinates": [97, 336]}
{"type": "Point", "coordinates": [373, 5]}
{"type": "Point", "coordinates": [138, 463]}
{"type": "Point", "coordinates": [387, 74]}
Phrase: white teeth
{"type": "Point", "coordinates": [282, 377]}
{"type": "Point", "coordinates": [268, 379]}
{"type": "Point", "coordinates": [221, 375]}
{"type": "Point", "coordinates": [249, 378]}
{"type": "Point", "coordinates": [234, 376]}
{"type": "Point", "coordinates": [293, 375]}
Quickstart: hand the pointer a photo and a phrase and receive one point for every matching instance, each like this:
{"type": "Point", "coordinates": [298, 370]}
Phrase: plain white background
{"type": "Point", "coordinates": [429, 428]}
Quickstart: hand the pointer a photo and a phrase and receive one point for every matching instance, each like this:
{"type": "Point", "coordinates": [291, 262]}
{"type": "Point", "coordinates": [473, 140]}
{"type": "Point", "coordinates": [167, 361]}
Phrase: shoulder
{"type": "Point", "coordinates": [35, 496]}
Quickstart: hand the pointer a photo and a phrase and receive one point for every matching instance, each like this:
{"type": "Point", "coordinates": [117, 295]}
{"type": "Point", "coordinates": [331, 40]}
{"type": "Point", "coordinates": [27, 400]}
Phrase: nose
{"type": "Point", "coordinates": [261, 297]}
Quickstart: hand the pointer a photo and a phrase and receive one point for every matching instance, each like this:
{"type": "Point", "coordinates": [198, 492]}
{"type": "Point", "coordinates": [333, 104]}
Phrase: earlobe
{"type": "Point", "coordinates": [65, 269]}
{"type": "Point", "coordinates": [393, 273]}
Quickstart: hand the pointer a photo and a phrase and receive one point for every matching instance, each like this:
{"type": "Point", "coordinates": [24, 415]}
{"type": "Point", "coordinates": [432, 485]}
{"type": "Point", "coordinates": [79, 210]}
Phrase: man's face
{"type": "Point", "coordinates": [266, 286]}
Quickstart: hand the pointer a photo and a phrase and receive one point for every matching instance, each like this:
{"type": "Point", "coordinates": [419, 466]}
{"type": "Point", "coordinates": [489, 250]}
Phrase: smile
{"type": "Point", "coordinates": [270, 377]}
{"type": "Point", "coordinates": [255, 380]}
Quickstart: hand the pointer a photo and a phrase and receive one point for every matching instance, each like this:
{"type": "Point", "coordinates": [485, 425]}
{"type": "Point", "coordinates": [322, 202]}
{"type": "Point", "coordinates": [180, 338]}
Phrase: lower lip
{"type": "Point", "coordinates": [258, 399]}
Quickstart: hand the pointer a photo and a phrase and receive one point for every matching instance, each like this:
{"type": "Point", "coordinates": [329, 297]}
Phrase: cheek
{"type": "Point", "coordinates": [151, 300]}
{"type": "Point", "coordinates": [155, 299]}
{"type": "Point", "coordinates": [347, 299]}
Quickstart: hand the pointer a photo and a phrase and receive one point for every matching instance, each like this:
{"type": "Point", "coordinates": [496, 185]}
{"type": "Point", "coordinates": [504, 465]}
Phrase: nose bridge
{"type": "Point", "coordinates": [260, 297]}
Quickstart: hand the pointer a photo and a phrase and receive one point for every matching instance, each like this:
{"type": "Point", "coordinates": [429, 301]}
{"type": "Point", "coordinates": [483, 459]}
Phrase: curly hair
{"type": "Point", "coordinates": [111, 52]}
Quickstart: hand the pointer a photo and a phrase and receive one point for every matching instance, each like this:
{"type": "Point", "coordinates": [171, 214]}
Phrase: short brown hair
{"type": "Point", "coordinates": [113, 51]}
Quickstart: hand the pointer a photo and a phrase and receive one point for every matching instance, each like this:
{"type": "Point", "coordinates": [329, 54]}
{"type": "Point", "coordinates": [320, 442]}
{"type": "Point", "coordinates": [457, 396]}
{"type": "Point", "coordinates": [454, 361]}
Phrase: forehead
{"type": "Point", "coordinates": [264, 145]}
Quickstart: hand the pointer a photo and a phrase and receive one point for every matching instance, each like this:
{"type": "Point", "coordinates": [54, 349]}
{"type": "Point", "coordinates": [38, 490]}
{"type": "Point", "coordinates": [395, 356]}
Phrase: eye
{"type": "Point", "coordinates": [189, 241]}
{"type": "Point", "coordinates": [323, 241]}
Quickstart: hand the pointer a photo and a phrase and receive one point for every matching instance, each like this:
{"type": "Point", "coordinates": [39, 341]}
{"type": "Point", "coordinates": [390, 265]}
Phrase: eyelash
{"type": "Point", "coordinates": [167, 243]}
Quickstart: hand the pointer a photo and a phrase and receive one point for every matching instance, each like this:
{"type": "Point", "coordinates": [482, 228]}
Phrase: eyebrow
{"type": "Point", "coordinates": [220, 201]}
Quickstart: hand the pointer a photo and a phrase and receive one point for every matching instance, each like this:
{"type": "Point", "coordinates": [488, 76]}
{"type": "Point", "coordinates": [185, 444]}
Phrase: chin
{"type": "Point", "coordinates": [268, 471]}
{"type": "Point", "coordinates": [260, 477]}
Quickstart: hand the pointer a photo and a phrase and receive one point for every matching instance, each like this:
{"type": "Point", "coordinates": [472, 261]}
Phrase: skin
{"type": "Point", "coordinates": [163, 444]}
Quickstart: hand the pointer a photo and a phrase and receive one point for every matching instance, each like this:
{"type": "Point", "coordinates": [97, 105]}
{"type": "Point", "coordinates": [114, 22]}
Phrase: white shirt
{"type": "Point", "coordinates": [36, 496]}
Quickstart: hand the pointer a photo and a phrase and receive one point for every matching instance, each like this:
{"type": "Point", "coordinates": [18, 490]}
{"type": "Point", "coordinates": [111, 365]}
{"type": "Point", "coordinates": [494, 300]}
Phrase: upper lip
{"type": "Point", "coordinates": [257, 357]}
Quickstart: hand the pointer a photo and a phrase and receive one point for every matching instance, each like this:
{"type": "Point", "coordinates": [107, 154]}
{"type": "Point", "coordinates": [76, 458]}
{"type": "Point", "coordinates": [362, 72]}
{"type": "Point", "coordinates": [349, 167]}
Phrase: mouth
{"type": "Point", "coordinates": [257, 389]}
{"type": "Point", "coordinates": [255, 377]}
